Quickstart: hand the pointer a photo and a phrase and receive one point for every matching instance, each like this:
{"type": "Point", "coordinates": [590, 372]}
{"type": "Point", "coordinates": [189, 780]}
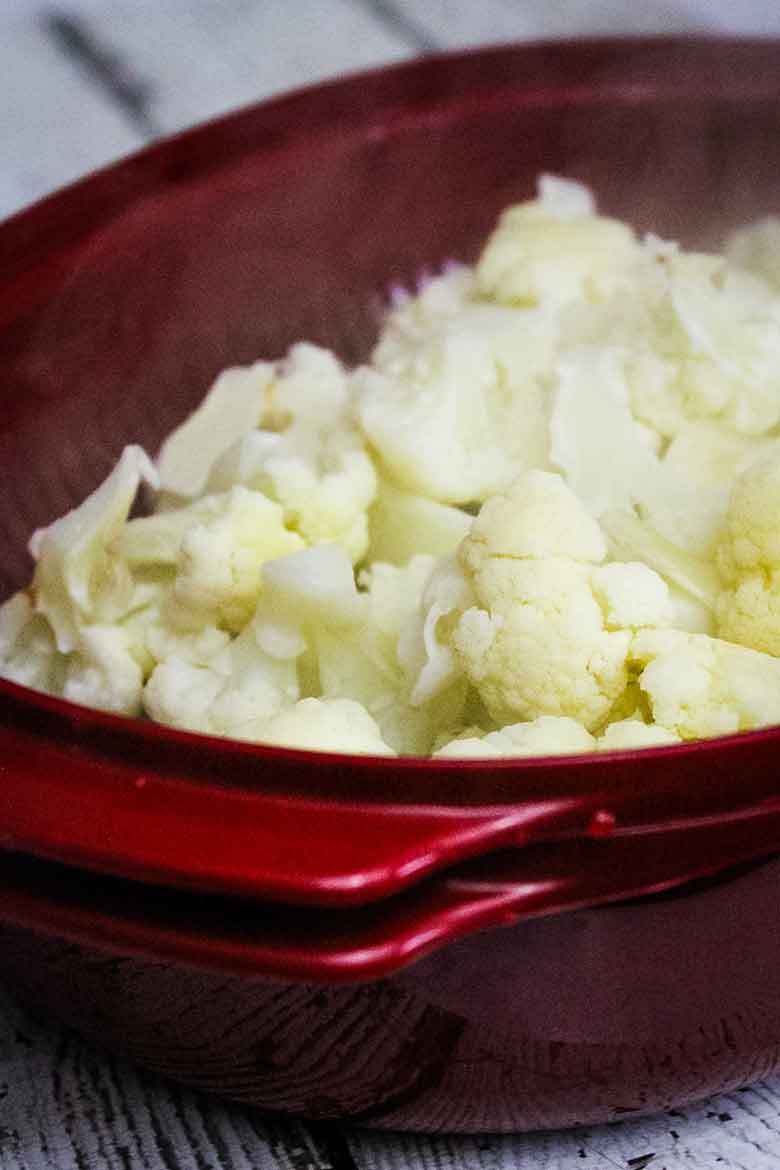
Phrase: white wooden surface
{"type": "Point", "coordinates": [82, 82]}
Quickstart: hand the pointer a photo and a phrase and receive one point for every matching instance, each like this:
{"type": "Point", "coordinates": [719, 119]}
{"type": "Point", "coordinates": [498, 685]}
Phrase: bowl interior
{"type": "Point", "coordinates": [124, 296]}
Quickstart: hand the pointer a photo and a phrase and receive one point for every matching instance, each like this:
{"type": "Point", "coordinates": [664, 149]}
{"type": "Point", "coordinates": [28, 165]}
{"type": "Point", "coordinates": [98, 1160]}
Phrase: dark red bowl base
{"type": "Point", "coordinates": [572, 1019]}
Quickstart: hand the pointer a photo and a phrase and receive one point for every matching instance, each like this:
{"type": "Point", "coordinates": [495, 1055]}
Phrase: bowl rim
{"type": "Point", "coordinates": [571, 789]}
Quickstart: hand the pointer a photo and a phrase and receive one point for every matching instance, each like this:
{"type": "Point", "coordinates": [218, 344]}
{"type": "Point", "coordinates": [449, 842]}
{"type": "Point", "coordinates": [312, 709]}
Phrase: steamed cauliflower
{"type": "Point", "coordinates": [550, 631]}
{"type": "Point", "coordinates": [542, 519]}
{"type": "Point", "coordinates": [699, 686]}
{"type": "Point", "coordinates": [748, 608]}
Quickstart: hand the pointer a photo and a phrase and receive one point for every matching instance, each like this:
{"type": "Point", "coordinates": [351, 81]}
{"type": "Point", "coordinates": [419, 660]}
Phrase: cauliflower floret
{"type": "Point", "coordinates": [79, 578]}
{"type": "Point", "coordinates": [456, 412]}
{"type": "Point", "coordinates": [103, 672]}
{"type": "Point", "coordinates": [424, 648]}
{"type": "Point", "coordinates": [539, 516]}
{"type": "Point", "coordinates": [748, 609]}
{"type": "Point", "coordinates": [694, 583]}
{"type": "Point", "coordinates": [611, 460]}
{"type": "Point", "coordinates": [306, 592]}
{"type": "Point", "coordinates": [219, 571]}
{"type": "Point", "coordinates": [326, 725]}
{"type": "Point", "coordinates": [757, 249]}
{"type": "Point", "coordinates": [699, 686]}
{"type": "Point", "coordinates": [718, 331]}
{"type": "Point", "coordinates": [402, 525]}
{"type": "Point", "coordinates": [554, 249]}
{"type": "Point", "coordinates": [632, 595]}
{"type": "Point", "coordinates": [634, 733]}
{"type": "Point", "coordinates": [536, 642]}
{"type": "Point", "coordinates": [309, 456]}
{"type": "Point", "coordinates": [369, 664]}
{"type": "Point", "coordinates": [28, 650]}
{"type": "Point", "coordinates": [234, 405]}
{"type": "Point", "coordinates": [548, 735]}
{"type": "Point", "coordinates": [234, 695]}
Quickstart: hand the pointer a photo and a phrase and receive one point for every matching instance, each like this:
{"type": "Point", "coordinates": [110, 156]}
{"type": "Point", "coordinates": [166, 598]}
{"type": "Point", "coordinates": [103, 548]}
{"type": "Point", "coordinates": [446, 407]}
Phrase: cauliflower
{"type": "Point", "coordinates": [368, 664]}
{"type": "Point", "coordinates": [457, 410]}
{"type": "Point", "coordinates": [79, 577]}
{"type": "Point", "coordinates": [28, 650]}
{"type": "Point", "coordinates": [103, 672]}
{"type": "Point", "coordinates": [757, 249]}
{"type": "Point", "coordinates": [629, 734]}
{"type": "Point", "coordinates": [234, 694]}
{"type": "Point", "coordinates": [234, 405]}
{"type": "Point", "coordinates": [548, 735]}
{"type": "Point", "coordinates": [554, 249]}
{"type": "Point", "coordinates": [326, 725]}
{"type": "Point", "coordinates": [403, 525]}
{"type": "Point", "coordinates": [537, 641]}
{"type": "Point", "coordinates": [748, 608]}
{"type": "Point", "coordinates": [219, 566]}
{"type": "Point", "coordinates": [515, 531]}
{"type": "Point", "coordinates": [308, 455]}
{"type": "Point", "coordinates": [699, 686]}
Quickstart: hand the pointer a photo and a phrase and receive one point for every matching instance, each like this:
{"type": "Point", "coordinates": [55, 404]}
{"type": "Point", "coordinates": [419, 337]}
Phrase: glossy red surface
{"type": "Point", "coordinates": [145, 802]}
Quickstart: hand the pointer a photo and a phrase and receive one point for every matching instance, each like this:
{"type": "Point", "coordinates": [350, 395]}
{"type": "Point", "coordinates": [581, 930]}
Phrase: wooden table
{"type": "Point", "coordinates": [83, 82]}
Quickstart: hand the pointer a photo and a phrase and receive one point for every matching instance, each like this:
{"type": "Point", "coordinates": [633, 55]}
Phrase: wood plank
{"type": "Point", "coordinates": [53, 127]}
{"type": "Point", "coordinates": [197, 58]}
{"type": "Point", "coordinates": [456, 23]}
{"type": "Point", "coordinates": [66, 1106]}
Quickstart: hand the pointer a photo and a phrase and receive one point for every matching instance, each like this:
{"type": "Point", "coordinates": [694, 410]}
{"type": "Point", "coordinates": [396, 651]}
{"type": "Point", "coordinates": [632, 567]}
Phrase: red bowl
{"type": "Point", "coordinates": [120, 300]}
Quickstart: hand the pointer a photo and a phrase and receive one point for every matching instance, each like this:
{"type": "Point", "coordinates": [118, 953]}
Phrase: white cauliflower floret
{"type": "Point", "coordinates": [326, 725]}
{"type": "Point", "coordinates": [233, 695]}
{"type": "Point", "coordinates": [634, 733]}
{"type": "Point", "coordinates": [103, 671]}
{"type": "Point", "coordinates": [699, 686]}
{"type": "Point", "coordinates": [548, 735]}
{"type": "Point", "coordinates": [79, 577]}
{"type": "Point", "coordinates": [424, 648]}
{"type": "Point", "coordinates": [100, 672]}
{"type": "Point", "coordinates": [632, 595]}
{"type": "Point", "coordinates": [368, 665]}
{"type": "Point", "coordinates": [219, 570]}
{"type": "Point", "coordinates": [693, 581]}
{"type": "Point", "coordinates": [402, 525]}
{"type": "Point", "coordinates": [233, 406]}
{"type": "Point", "coordinates": [609, 458]}
{"type": "Point", "coordinates": [756, 248]}
{"type": "Point", "coordinates": [28, 650]}
{"type": "Point", "coordinates": [308, 454]}
{"type": "Point", "coordinates": [455, 413]}
{"type": "Point", "coordinates": [718, 332]}
{"type": "Point", "coordinates": [306, 592]}
{"type": "Point", "coordinates": [748, 609]}
{"type": "Point", "coordinates": [536, 642]}
{"type": "Point", "coordinates": [554, 249]}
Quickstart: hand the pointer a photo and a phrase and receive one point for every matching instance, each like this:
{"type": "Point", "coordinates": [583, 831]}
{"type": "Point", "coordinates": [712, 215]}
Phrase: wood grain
{"type": "Point", "coordinates": [66, 1106]}
{"type": "Point", "coordinates": [53, 127]}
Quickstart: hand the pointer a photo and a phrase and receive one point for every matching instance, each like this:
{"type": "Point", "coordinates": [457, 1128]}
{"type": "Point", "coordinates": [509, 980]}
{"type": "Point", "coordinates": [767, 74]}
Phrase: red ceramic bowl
{"type": "Point", "coordinates": [120, 299]}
